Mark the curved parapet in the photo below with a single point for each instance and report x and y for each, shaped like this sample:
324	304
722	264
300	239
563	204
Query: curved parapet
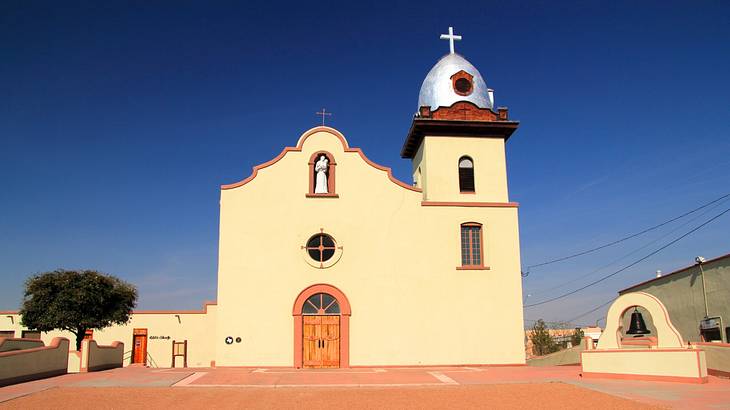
8	344
96	357
667	335
300	143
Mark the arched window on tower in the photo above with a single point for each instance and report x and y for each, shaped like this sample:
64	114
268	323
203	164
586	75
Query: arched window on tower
322	175
466	175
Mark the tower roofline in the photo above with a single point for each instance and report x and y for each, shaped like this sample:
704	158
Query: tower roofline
462	119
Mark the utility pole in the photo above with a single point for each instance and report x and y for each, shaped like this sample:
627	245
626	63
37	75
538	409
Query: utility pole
700	260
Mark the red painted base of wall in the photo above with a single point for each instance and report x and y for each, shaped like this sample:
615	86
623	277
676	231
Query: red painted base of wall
645	377
400	366
389	366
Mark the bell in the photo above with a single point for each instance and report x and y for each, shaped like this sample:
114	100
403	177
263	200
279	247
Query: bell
637	326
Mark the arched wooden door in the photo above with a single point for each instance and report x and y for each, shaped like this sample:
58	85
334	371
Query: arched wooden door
321	332
321	328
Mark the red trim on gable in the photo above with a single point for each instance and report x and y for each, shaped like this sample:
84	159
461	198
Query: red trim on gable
257	168
298	148
386	169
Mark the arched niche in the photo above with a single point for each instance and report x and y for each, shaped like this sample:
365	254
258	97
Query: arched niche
666	334
330	173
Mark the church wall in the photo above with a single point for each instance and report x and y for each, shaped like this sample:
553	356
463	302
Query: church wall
419	171
410	305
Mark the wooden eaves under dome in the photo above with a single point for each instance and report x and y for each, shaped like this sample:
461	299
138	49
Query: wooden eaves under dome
462	119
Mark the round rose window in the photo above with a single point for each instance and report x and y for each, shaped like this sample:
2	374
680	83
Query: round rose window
321	247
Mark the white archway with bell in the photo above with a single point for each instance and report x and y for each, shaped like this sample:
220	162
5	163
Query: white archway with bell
667	335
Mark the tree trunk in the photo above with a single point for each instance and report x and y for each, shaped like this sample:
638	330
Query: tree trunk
80	333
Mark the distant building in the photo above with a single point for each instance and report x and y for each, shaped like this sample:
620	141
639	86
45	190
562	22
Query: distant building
593	332
697	299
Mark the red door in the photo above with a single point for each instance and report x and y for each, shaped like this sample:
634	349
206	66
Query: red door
139	346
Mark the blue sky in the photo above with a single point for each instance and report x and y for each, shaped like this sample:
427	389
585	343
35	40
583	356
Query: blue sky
119	121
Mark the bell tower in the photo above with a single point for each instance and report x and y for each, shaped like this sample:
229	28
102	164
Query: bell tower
457	140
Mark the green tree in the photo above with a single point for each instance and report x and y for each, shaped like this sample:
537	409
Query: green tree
542	342
577	337
76	301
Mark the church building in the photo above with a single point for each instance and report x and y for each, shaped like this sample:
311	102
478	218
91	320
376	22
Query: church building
327	260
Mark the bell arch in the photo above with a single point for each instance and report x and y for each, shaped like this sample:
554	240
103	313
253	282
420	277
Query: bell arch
344	313
667	335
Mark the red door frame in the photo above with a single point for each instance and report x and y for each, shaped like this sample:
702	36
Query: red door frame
142	333
345	313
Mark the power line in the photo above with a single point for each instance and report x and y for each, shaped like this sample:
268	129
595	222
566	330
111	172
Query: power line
633	263
575	255
635	250
571	321
590	311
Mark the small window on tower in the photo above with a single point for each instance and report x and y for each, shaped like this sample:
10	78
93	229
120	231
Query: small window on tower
462	83
466	175
463	86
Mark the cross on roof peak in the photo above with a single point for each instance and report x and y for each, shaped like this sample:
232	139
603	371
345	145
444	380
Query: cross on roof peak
323	113
451	37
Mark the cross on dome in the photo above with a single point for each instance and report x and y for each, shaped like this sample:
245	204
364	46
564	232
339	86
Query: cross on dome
451	37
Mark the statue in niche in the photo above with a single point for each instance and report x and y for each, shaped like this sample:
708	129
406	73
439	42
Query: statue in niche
320	169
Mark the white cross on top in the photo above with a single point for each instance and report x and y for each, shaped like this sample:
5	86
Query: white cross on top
451	37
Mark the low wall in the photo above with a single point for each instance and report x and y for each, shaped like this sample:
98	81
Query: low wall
8	344
35	363
95	357
718	357
679	365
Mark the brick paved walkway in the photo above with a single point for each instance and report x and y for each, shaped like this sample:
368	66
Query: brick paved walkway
420	387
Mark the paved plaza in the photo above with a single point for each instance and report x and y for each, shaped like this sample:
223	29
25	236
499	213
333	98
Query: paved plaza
403	387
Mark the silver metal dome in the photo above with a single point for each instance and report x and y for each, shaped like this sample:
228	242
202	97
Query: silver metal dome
437	90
